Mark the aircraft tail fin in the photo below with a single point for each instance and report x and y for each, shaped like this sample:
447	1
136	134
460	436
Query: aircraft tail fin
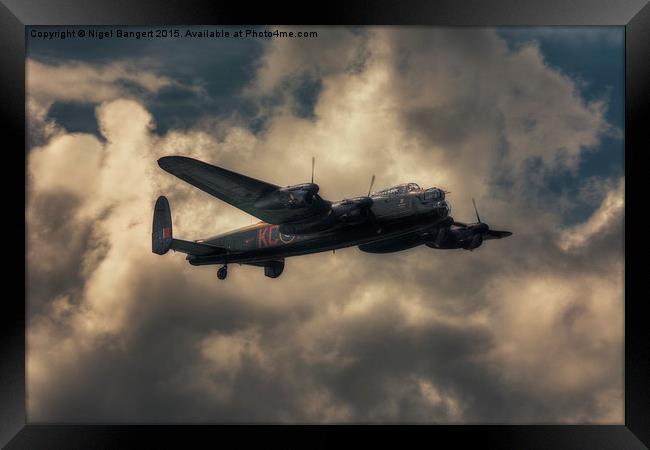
161	233
162	239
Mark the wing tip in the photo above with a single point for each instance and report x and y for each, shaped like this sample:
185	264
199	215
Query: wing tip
167	162
175	161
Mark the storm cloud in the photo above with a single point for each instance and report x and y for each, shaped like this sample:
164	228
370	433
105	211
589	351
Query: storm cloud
524	330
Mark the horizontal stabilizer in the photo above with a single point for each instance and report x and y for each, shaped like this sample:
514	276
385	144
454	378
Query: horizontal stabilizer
196	248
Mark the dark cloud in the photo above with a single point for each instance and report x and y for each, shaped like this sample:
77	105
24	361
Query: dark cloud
56	247
220	67
77	117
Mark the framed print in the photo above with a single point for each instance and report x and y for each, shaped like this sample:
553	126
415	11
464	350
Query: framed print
405	215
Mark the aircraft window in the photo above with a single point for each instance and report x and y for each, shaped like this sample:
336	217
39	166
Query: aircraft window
435	194
398	190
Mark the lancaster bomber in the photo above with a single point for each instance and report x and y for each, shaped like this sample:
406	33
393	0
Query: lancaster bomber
295	220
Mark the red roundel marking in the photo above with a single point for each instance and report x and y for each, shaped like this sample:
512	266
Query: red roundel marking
287	238
167	233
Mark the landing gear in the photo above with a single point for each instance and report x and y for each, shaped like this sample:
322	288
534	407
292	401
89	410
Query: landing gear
273	269
222	273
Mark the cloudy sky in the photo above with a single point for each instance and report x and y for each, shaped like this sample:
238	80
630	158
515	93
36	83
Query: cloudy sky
524	330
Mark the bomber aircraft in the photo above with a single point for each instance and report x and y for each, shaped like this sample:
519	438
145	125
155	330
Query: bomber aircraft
295	220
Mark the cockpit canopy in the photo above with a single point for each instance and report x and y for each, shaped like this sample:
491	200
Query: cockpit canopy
400	189
434	194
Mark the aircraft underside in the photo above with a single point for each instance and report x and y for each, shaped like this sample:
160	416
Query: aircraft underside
367	238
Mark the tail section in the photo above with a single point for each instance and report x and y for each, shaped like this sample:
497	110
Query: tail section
161	234
162	239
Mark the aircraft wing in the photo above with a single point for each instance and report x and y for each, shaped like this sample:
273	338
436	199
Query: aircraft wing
238	190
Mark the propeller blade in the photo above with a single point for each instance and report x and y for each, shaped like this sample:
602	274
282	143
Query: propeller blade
372	181
313	163
476	210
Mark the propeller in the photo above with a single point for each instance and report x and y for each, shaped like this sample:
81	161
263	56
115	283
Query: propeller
476	211
482	229
372	181
366	207
363	203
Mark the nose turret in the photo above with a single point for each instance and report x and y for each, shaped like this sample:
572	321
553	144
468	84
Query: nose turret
434	200
443	208
434	194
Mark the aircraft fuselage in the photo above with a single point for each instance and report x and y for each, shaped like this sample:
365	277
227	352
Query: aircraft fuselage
396	216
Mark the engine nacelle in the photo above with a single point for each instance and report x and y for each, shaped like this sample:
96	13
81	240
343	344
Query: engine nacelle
352	211
450	238
292	197
274	268
475	242
347	212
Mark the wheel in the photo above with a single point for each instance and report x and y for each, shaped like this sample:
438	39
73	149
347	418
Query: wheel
222	273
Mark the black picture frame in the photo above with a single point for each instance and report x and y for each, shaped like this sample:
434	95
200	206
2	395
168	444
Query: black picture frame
15	15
